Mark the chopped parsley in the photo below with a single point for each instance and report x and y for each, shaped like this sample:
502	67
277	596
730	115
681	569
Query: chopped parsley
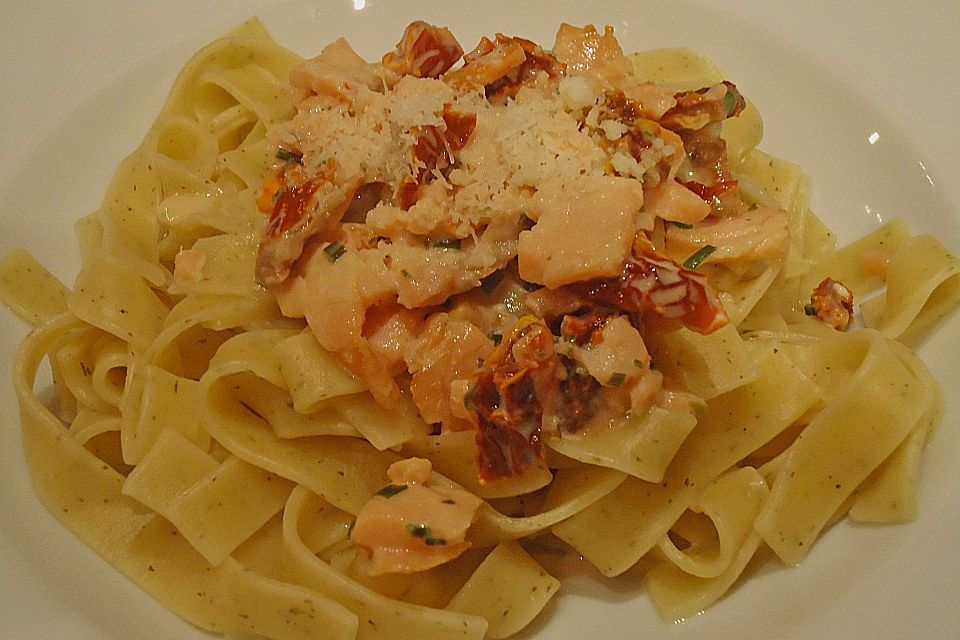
391	490
681	225
697	258
616	380
730	101
334	250
451	244
423	532
468	397
809	309
497	337
289	156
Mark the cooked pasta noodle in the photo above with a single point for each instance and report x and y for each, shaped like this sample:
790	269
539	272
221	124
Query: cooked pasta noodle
225	430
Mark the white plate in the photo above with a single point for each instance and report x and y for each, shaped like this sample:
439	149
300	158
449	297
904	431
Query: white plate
864	95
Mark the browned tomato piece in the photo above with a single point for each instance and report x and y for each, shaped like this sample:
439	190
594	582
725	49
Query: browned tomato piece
580	329
657	284
696	109
537	60
290	205
578	396
709	192
435	148
510	417
832	304
424	51
507	400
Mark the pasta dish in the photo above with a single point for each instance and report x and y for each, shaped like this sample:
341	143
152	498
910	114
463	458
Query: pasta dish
363	349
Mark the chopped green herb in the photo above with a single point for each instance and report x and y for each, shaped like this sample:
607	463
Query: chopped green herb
423	532
616	380
702	254
496	337
448	501
638	363
468	397
334	250
353	523
681	225
451	244
752	207
809	309
730	101
289	156
405	273
391	490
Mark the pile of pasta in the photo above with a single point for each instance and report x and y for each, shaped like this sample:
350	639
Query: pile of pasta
209	449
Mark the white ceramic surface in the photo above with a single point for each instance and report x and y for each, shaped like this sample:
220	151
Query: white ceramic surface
864	95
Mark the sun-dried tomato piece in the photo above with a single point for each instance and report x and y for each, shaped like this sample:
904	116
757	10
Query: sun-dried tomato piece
435	148
459	128
424	51
286	194
580	329
291	204
508	400
657	284
832	304
578	396
709	192
696	109
503	65
509	422
537	60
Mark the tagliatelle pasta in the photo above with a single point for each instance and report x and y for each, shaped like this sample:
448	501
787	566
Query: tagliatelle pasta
354	347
